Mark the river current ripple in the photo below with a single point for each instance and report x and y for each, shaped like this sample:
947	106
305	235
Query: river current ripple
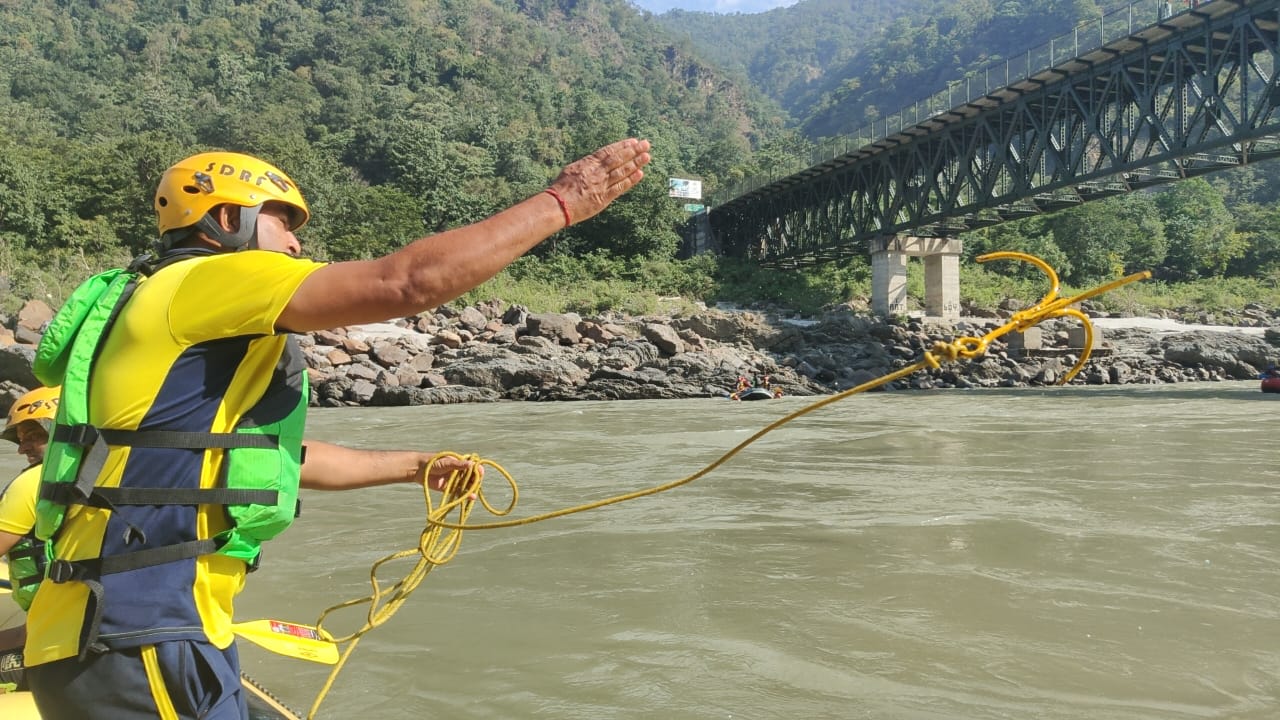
1063	553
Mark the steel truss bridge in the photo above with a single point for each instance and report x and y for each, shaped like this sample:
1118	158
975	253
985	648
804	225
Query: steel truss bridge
1183	94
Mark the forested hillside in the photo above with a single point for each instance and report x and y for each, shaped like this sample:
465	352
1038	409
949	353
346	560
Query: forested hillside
836	64
404	117
397	118
789	53
916	55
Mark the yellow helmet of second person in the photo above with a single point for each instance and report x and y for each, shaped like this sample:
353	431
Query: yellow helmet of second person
39	405
192	187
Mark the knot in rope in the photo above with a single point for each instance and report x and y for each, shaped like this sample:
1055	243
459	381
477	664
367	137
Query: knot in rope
1052	306
964	347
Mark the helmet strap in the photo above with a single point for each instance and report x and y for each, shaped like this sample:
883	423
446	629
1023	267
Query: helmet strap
244	238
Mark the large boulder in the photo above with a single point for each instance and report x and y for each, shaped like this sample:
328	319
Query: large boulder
509	372
562	329
447	395
1240	356
15	365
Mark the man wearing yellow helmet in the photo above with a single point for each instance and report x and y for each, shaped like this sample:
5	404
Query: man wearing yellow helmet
134	619
28	424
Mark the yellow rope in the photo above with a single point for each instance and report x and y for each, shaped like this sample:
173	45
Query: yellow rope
435	547
441	537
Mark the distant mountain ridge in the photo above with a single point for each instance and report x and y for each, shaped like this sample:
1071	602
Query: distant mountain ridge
789	52
723	7
835	65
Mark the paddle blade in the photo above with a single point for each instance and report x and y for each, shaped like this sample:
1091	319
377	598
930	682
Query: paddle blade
286	638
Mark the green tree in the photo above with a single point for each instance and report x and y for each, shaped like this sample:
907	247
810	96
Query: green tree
1148	244
1259	227
1201	231
372	221
1030	235
1096	238
24	195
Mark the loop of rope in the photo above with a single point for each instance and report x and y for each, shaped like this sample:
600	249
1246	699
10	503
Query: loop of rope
437	544
442	537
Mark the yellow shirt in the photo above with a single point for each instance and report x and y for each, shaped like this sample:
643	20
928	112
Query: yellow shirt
18	503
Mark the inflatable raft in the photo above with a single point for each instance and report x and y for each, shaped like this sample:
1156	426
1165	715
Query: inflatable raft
22	706
755	393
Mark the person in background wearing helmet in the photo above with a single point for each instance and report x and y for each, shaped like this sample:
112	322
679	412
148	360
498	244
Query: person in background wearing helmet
202	349
28	425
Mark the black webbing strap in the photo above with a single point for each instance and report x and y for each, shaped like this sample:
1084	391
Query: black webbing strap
87	435
188	440
109	497
91	571
99	440
65	570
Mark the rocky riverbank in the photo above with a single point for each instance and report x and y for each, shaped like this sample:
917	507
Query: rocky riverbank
493	351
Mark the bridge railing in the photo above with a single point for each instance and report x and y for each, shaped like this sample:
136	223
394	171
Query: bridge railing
1085	37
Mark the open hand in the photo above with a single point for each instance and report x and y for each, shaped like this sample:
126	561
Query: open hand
590	184
440	469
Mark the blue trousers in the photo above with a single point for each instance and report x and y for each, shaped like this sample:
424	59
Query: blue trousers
195	679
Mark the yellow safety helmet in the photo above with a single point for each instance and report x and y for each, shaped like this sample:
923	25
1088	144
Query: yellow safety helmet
196	185
40	405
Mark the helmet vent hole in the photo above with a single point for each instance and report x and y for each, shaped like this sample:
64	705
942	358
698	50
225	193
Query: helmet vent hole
191	189
162	201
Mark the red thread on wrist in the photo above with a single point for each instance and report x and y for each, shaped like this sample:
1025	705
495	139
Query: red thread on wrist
563	207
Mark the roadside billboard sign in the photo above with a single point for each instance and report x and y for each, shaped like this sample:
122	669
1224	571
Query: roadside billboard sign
683	188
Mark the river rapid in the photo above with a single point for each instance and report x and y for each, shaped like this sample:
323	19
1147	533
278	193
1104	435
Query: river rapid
1060	553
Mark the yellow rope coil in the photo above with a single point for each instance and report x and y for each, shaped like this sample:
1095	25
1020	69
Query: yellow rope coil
437	545
441	537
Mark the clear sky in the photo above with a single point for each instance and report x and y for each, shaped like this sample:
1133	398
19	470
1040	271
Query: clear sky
712	6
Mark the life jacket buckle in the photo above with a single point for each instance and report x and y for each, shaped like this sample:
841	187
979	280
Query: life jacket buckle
144	264
61	571
82	435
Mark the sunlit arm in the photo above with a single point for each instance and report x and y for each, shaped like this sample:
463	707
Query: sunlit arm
333	467
436	269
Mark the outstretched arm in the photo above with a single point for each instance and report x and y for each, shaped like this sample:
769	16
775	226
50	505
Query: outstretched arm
434	270
333	467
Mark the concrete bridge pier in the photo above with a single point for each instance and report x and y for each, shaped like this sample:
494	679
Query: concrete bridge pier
889	257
